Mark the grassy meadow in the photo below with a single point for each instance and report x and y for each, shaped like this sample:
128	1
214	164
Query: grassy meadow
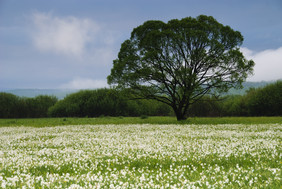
153	152
105	120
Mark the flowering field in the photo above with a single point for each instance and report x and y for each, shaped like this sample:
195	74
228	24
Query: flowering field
141	156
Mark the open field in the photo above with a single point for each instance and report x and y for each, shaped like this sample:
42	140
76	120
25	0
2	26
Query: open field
141	156
43	122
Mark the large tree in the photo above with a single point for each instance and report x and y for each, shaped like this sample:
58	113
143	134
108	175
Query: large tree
180	61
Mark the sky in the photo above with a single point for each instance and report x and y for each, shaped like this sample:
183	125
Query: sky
71	44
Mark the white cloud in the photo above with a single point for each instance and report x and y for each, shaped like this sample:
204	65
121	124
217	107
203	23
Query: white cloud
268	64
84	83
67	35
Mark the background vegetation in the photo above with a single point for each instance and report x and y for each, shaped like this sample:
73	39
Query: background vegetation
266	101
12	106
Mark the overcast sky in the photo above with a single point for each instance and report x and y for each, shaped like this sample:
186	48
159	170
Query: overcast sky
72	43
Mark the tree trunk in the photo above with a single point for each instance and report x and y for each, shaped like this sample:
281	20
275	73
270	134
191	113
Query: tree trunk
180	115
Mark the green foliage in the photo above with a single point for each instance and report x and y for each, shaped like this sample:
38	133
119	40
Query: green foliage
91	103
12	106
206	107
138	107
112	102
105	102
266	101
38	106
9	105
235	106
144	117
179	62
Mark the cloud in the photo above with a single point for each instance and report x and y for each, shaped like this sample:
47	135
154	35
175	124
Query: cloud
268	64
63	35
84	83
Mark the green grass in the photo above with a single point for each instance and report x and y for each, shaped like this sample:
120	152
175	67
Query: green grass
43	122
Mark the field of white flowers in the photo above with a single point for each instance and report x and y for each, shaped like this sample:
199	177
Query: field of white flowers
141	156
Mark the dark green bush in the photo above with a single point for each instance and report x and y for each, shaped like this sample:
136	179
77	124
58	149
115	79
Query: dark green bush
90	103
38	106
206	107
106	102
266	101
9	105
234	105
12	106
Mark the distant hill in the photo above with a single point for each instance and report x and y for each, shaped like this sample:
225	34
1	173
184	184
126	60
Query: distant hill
62	93
247	86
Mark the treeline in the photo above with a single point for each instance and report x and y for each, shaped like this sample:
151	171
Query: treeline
106	102
85	103
265	101
12	106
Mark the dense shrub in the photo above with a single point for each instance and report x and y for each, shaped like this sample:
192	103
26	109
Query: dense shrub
105	102
234	105
266	101
9	105
12	106
90	103
206	107
38	106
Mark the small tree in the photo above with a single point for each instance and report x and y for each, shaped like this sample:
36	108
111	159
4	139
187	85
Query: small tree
180	61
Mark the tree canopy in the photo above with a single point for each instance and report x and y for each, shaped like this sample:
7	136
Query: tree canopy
180	61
